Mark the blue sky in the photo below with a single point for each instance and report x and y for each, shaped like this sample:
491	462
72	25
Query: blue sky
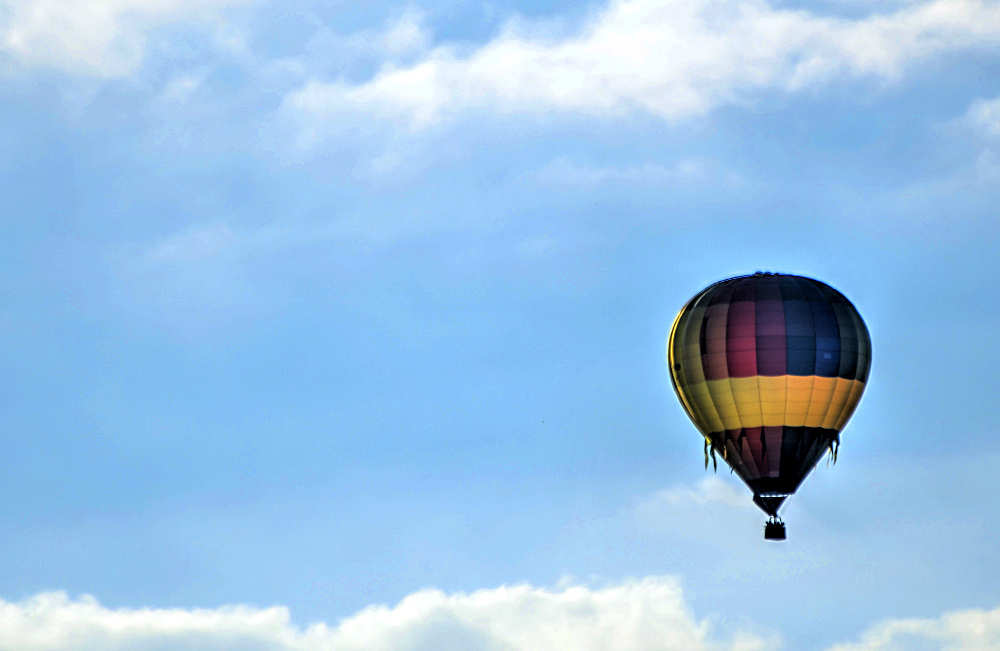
360	312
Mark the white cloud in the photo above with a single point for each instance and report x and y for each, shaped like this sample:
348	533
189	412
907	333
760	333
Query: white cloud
984	115
401	39
645	615
638	615
673	58
99	38
180	88
405	35
968	630
711	490
695	512
983	118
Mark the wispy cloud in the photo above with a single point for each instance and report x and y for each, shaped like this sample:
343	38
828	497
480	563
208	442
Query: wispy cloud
710	490
984	116
181	87
196	275
967	630
672	58
565	171
643	615
97	38
195	244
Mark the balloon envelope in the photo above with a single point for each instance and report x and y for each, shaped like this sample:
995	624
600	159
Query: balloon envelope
770	368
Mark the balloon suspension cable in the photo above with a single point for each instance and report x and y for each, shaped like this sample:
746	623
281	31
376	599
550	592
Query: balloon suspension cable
706	453
715	463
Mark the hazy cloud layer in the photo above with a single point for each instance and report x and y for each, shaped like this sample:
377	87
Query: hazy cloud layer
673	58
642	615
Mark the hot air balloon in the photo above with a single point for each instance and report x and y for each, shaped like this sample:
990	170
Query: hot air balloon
769	367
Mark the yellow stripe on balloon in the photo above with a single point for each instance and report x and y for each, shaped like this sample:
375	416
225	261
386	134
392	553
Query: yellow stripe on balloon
746	395
852	403
840	395
798	397
819	402
735	403
772	399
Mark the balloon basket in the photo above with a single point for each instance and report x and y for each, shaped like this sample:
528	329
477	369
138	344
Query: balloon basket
774	529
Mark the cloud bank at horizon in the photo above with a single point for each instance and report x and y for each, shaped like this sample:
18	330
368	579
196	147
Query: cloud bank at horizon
640	615
644	615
